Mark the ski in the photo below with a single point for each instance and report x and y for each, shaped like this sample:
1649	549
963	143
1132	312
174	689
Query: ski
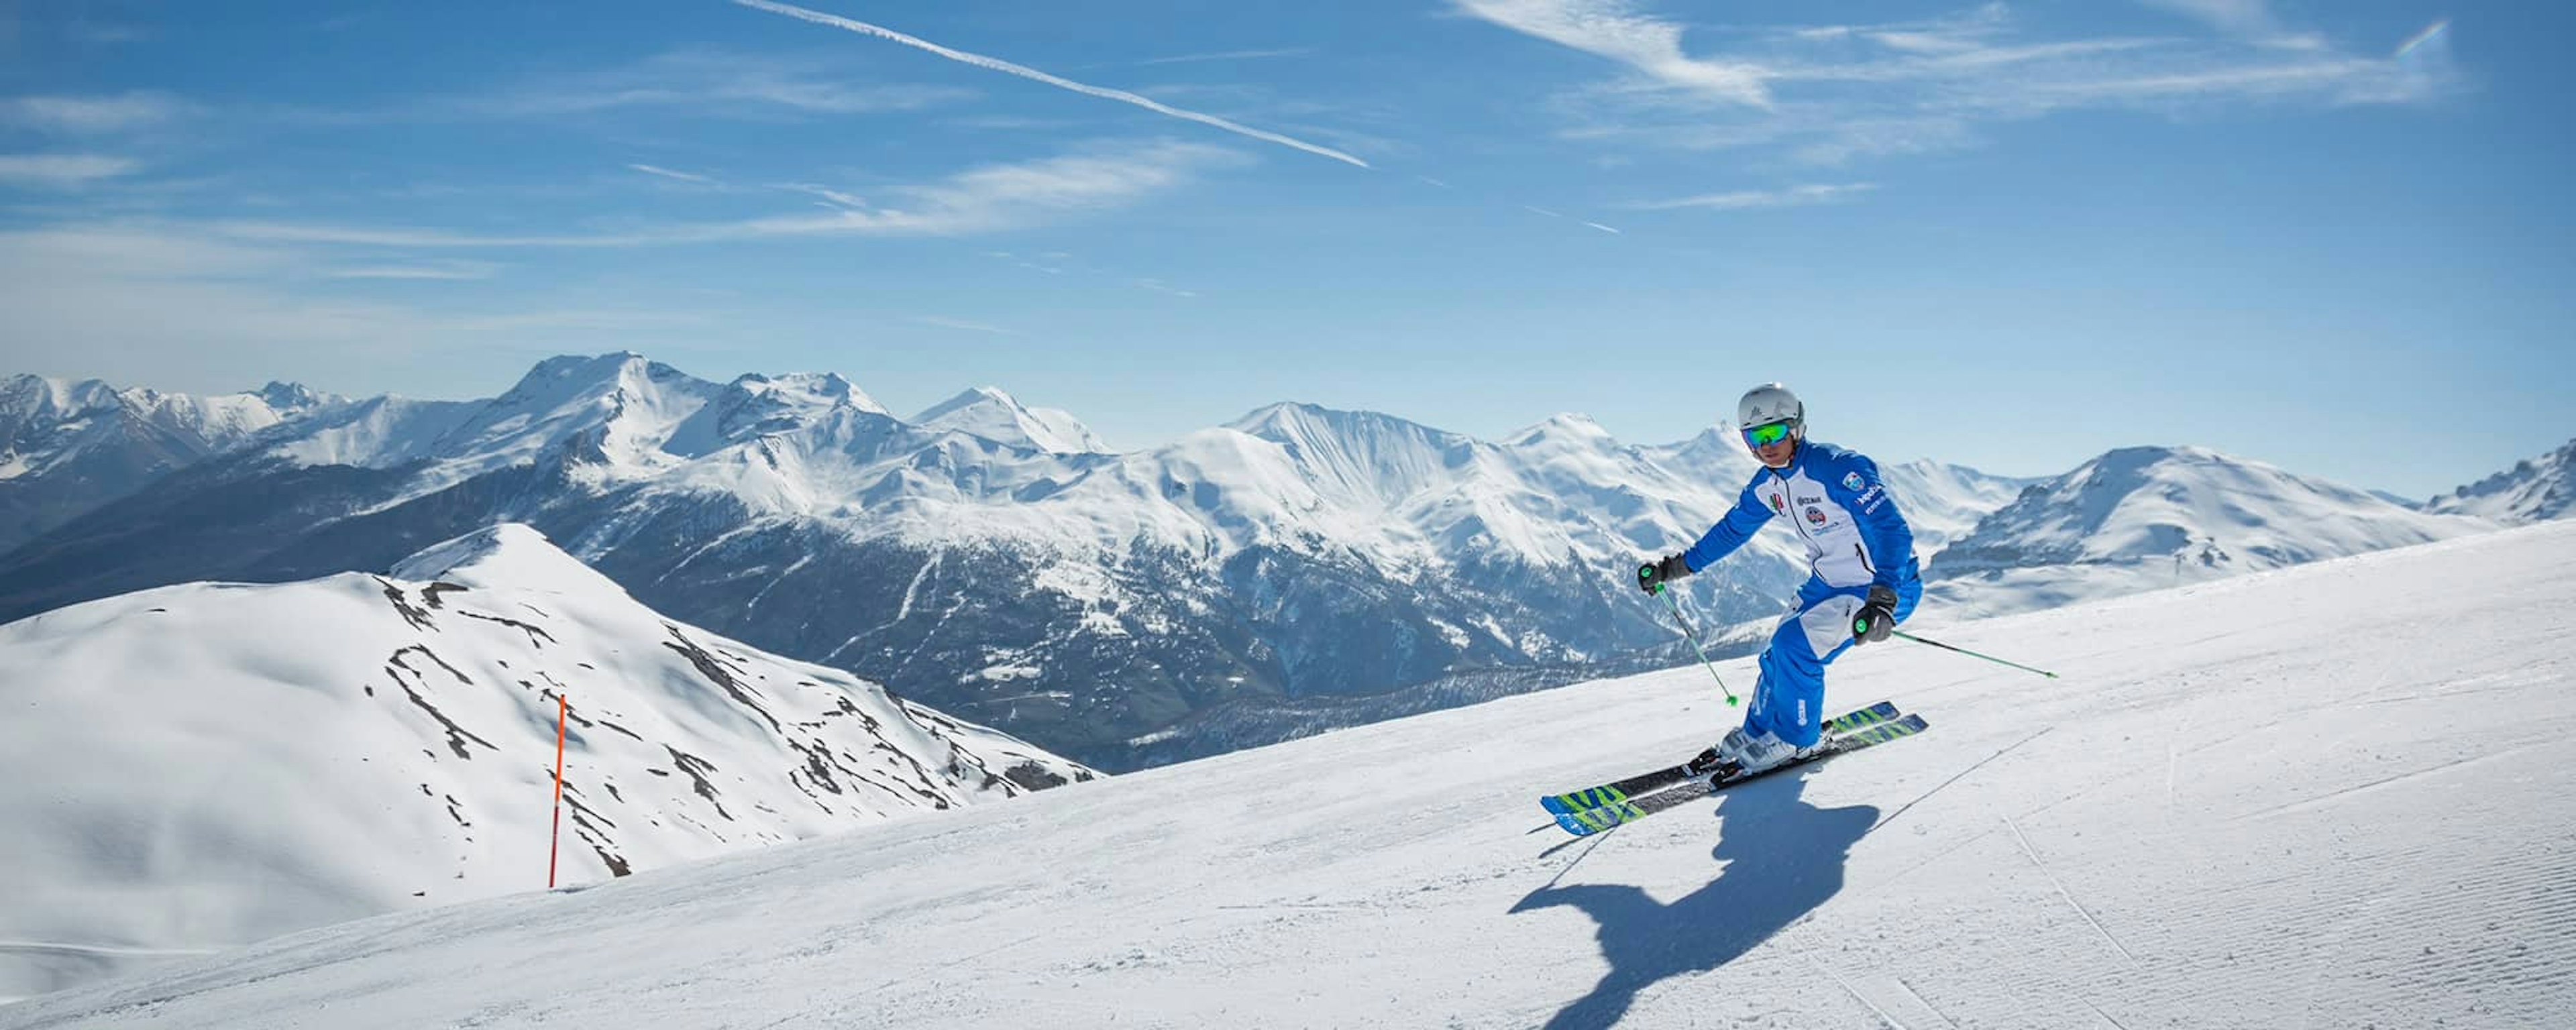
1618	791
1622	807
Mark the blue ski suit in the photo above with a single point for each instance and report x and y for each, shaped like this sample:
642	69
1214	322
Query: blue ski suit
1855	538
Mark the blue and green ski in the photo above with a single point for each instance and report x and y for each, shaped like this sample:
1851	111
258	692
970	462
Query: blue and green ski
1592	810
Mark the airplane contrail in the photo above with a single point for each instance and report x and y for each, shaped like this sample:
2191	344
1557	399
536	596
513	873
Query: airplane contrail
1025	72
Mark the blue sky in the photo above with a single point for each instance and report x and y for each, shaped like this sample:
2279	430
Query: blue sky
2333	236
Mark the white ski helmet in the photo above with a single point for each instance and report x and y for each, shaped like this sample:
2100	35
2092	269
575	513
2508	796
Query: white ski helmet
1768	403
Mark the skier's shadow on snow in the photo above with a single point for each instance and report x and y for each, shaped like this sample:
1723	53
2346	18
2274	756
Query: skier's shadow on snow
1784	857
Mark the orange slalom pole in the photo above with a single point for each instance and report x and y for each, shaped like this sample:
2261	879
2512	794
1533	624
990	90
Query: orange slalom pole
563	707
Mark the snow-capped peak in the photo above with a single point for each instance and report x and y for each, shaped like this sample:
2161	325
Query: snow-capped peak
2532	490
1565	425
990	413
2139	503
1365	457
510	554
27	398
760	405
2142	517
613	410
291	396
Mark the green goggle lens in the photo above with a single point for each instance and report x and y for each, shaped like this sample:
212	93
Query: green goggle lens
1766	434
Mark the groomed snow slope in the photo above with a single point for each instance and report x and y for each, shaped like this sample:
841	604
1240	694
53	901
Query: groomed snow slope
2332	795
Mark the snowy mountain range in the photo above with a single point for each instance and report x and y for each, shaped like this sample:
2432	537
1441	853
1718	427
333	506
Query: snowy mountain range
1286	571
2140	518
201	766
68	447
2532	490
2328	796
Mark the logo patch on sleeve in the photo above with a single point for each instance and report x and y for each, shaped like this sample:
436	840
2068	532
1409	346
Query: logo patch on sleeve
1852	481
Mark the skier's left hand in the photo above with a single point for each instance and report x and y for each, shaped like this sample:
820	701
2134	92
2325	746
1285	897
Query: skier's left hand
1877	616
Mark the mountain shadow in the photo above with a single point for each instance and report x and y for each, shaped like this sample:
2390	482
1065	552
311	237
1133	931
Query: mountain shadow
1783	858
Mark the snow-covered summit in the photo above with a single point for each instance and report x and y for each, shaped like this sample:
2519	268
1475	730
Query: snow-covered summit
2143	517
205	765
2532	490
988	412
612	410
1564	425
1362	457
759	405
508	556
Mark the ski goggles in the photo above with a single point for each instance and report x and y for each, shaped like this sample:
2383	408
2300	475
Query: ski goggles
1768	433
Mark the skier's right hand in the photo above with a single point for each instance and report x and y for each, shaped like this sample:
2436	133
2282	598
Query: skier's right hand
1652	576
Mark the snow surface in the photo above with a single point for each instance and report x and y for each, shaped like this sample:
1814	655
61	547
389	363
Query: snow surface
2328	796
201	766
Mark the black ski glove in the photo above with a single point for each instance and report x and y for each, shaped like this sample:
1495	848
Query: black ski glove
1877	616
1652	576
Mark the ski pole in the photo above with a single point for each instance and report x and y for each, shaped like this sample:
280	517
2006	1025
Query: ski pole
1972	654
1676	606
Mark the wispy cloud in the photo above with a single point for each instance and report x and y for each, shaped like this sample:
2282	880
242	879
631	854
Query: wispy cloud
62	171
1614	30
1230	55
713	81
452	271
1603	228
833	197
1025	72
414	238
656	170
89	114
961	325
1794	196
1828	94
98	298
991	198
1160	286
2243	19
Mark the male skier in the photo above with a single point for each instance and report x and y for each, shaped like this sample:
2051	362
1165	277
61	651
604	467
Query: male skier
1860	555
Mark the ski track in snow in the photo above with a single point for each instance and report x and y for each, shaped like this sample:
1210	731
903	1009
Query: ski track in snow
1863	999
1960	775
2106	1017
2248	842
2364	788
2173	756
2062	892
1910	994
